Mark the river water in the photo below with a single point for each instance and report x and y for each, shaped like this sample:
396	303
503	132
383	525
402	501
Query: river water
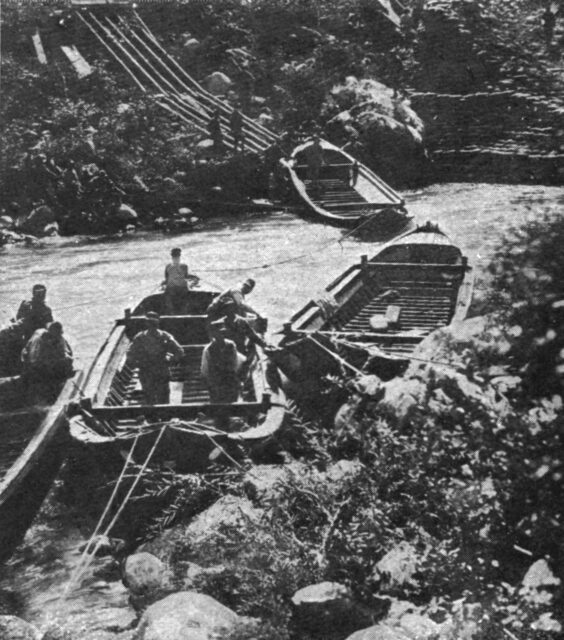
91	281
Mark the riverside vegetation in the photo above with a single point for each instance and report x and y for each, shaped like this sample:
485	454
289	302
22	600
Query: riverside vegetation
82	146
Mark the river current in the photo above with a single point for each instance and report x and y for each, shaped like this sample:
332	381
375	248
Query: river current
91	281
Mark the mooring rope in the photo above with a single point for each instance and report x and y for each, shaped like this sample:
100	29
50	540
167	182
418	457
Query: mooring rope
83	560
87	557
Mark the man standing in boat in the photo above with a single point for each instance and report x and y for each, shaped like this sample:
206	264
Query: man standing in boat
175	285
152	351
314	157
219	369
35	314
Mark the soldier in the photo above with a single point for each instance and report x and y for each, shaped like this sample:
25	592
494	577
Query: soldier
175	284
236	295
151	351
46	361
34	313
220	366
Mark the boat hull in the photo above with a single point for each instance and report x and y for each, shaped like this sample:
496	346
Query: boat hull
380	309
38	438
340	200
113	415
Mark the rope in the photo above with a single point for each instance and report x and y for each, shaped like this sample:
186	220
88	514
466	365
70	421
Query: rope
336	356
363	346
83	560
88	558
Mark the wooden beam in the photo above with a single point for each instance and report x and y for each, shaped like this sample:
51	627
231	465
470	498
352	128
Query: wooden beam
169	411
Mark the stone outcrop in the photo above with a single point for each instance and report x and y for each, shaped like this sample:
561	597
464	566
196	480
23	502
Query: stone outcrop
13	628
186	615
468	139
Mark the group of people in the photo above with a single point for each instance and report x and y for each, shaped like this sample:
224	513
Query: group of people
44	358
36	349
226	360
235	127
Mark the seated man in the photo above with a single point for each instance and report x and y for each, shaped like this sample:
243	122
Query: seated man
235	295
151	351
12	342
219	369
34	313
175	285
239	330
46	361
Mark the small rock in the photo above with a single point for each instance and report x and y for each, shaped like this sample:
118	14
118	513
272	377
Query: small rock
380	632
192	44
125	213
186	615
143	572
6	222
398	566
404	396
323	606
13	628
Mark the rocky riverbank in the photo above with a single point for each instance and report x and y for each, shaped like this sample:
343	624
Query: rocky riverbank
422	510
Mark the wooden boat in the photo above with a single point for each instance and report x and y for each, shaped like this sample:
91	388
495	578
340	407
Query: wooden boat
112	412
381	307
335	200
33	444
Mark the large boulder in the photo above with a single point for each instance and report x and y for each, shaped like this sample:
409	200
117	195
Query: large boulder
36	222
13	628
228	511
186	615
390	131
218	83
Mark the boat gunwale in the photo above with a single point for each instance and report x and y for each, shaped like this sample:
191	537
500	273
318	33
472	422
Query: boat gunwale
45	433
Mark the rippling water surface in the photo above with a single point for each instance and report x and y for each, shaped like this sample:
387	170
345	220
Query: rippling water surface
90	282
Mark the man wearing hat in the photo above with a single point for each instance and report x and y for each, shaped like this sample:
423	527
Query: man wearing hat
151	351
220	364
34	314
